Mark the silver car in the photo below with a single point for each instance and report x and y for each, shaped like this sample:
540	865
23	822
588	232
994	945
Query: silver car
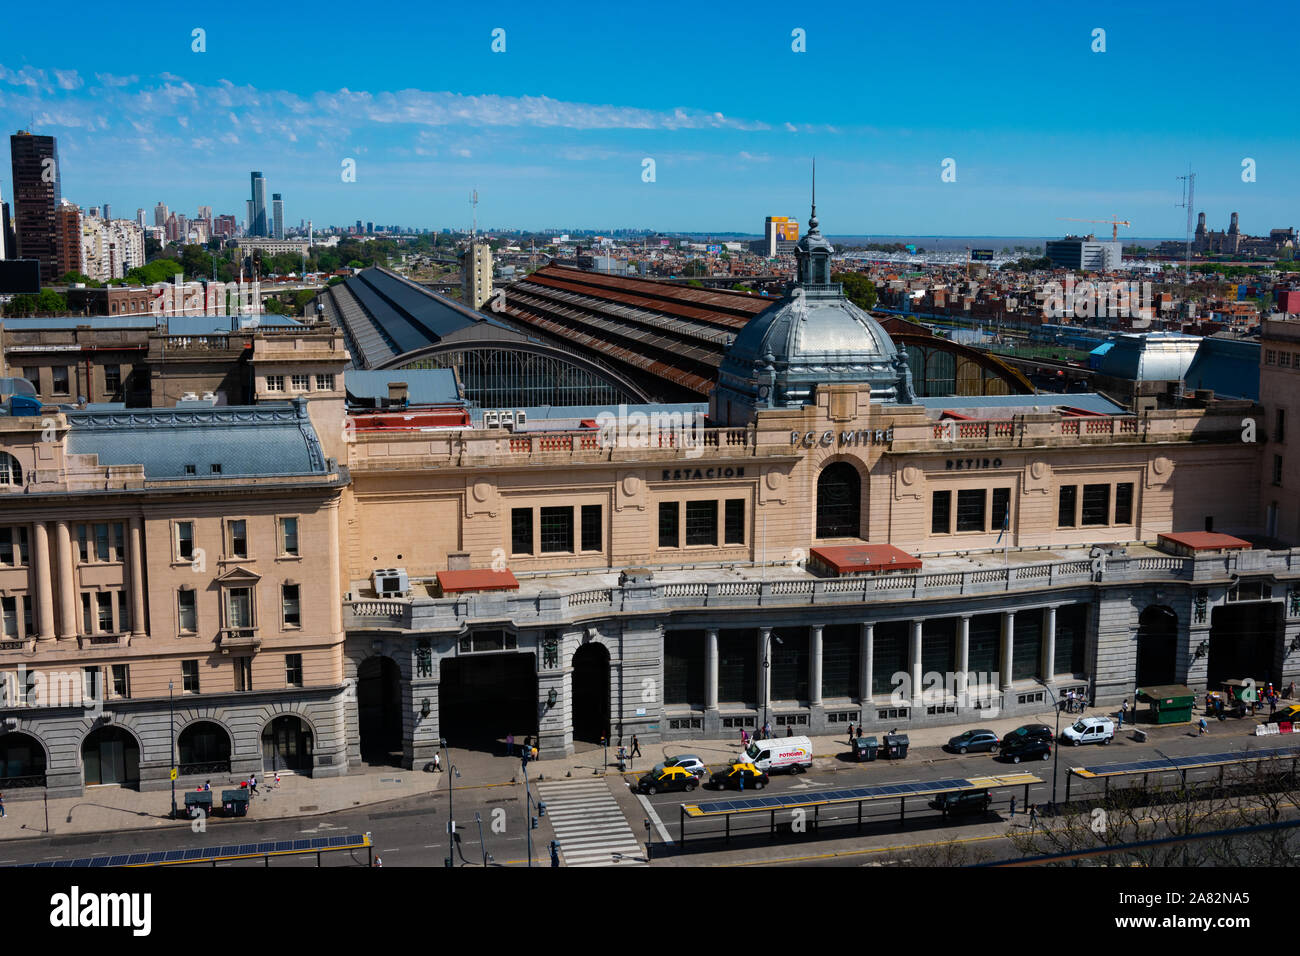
689	762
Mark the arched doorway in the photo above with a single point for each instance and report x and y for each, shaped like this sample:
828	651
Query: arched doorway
287	745
379	711
204	748
110	755
1157	647
22	762
839	501
482	698
591	692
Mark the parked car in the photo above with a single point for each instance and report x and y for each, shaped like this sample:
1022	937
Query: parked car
974	740
1028	732
1090	730
731	777
1029	748
667	779
687	762
962	801
1286	715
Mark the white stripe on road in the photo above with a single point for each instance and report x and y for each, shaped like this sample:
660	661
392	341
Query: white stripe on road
654	818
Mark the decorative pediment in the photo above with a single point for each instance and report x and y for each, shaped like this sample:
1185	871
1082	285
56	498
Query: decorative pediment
238	577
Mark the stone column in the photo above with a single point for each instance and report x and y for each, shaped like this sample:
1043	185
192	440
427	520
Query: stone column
1008	646
44	591
1049	644
137	579
764	684
711	670
335	585
67	583
815	665
866	661
963	662
914	663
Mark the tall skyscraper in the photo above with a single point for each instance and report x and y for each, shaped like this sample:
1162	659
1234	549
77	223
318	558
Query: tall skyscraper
258	226
69	220
139	218
36	200
4	226
107	215
205	212
160	214
277	216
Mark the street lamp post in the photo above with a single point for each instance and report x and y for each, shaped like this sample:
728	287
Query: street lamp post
767	676
528	811
1056	741
171	709
452	773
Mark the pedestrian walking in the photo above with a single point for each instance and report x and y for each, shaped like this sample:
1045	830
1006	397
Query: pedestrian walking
1013	806
437	762
510	745
852	735
1272	706
1123	711
207	785
1201	728
2	806
789	731
1290	690
1033	815
767	731
252	783
534	753
636	746
744	739
379	861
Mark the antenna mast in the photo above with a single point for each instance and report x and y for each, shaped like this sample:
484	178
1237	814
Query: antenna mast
473	202
1189	200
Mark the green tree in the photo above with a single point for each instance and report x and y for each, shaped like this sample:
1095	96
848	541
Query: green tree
68	278
48	302
160	270
858	287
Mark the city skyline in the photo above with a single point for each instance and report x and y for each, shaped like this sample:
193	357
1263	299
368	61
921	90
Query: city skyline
722	105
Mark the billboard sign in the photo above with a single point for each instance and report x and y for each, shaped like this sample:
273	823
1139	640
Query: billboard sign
788	230
713	248
20	276
981	255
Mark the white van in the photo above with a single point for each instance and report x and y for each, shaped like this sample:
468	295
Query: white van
1090	730
794	754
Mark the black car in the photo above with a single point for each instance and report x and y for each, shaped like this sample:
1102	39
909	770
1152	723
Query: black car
664	779
1030	748
1028	732
962	801
739	776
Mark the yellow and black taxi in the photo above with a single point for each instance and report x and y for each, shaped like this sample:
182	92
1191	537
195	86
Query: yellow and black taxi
664	779
739	776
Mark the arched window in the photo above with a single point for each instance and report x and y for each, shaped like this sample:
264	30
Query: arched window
11	473
839	501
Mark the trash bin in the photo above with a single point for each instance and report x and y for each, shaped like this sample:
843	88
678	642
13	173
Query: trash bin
198	801
864	748
234	803
896	746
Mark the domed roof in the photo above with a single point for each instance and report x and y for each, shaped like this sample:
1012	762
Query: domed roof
814	335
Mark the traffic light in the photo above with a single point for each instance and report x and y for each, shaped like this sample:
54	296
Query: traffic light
541	809
555	853
533	821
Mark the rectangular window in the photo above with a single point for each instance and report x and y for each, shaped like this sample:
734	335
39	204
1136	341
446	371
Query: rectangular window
289	536
215	469
87	619
239	607
22	547
940	511
591	528
90	682
1065	506
239	539
60	373
521	531
1001	516
101	543
112	378
1096	504
556	526
324	383
1279	426
117	546
27	614
83	546
1277	469
121	680
104	611
190	677
970	509
1270	357
243	673
9	606
275	383
292	615
8	554
1284	359
123	612
189	620
300	383
185	540
733	525
293	670
668	513
701	523
1124	503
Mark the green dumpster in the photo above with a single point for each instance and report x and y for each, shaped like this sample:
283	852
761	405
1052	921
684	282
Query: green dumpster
198	801
1170	703
234	803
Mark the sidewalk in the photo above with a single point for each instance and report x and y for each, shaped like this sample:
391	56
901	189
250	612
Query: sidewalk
115	808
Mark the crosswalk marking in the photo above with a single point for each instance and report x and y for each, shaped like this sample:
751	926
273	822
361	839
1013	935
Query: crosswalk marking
589	824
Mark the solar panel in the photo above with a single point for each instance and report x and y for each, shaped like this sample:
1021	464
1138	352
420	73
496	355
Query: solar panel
49	864
266	847
211	851
173	855
283	845
229	850
246	848
339	841
84	861
301	844
99	861
117	860
194	854
57	863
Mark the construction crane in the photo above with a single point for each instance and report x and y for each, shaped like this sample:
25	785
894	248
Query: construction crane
1114	224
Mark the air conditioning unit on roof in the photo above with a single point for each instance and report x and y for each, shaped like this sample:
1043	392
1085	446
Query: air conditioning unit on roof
391	582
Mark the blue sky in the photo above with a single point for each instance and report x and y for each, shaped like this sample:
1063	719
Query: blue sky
554	131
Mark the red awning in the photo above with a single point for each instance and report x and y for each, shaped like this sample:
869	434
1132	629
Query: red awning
455	582
864	558
1205	541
